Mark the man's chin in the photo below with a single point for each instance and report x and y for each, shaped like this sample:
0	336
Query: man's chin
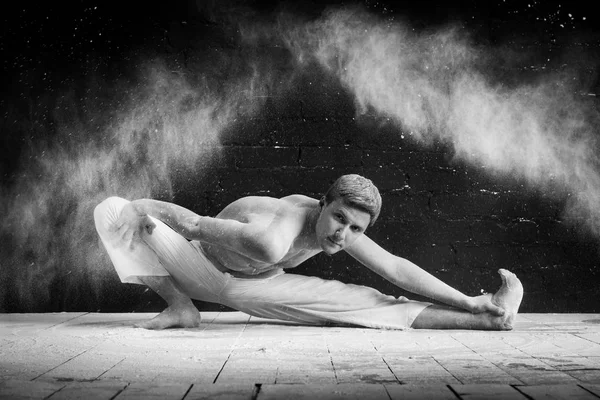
330	248
330	252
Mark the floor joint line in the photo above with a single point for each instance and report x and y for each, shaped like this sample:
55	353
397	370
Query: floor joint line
587	390
120	391
589	340
70	319
331	361
488	360
232	349
447	370
63	363
516	387
385	362
540	359
187	391
118	362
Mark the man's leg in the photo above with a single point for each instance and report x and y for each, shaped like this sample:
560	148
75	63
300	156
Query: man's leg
508	297
146	264
316	301
313	300
180	311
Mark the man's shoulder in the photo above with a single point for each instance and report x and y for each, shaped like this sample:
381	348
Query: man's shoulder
253	207
257	202
299	199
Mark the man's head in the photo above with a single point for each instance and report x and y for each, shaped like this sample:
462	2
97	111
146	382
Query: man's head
356	191
350	205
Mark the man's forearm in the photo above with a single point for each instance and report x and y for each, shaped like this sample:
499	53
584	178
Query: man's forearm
227	233
180	219
416	280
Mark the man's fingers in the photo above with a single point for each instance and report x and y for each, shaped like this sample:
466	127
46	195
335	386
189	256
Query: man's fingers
115	227
149	228
128	235
149	225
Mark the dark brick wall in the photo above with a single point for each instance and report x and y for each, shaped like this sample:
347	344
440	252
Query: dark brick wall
454	220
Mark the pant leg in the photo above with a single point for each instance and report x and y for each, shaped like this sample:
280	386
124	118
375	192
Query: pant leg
312	300
163	253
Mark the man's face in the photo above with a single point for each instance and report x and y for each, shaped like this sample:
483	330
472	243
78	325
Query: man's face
339	225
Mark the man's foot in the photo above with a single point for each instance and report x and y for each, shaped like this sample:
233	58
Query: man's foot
508	297
180	316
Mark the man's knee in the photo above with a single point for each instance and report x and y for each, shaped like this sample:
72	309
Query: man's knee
107	212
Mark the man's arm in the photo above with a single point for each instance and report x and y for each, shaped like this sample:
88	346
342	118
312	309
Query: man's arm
409	276
250	239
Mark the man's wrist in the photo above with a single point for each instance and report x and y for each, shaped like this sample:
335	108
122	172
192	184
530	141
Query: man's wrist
468	303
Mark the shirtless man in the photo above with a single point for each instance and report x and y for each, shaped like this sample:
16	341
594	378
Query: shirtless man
238	259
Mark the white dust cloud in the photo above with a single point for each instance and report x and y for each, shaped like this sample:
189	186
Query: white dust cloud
162	127
437	86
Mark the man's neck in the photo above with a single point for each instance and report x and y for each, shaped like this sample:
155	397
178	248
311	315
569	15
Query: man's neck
308	236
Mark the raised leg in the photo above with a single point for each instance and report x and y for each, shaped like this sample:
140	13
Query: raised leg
157	261
508	297
180	311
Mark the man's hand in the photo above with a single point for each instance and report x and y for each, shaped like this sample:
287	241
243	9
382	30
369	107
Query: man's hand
483	303
131	223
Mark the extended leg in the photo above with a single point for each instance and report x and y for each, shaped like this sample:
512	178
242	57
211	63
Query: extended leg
180	311
316	301
508	297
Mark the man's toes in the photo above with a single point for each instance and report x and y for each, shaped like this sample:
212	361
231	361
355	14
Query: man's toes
147	325
507	327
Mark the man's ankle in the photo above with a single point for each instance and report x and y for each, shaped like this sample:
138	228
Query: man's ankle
182	305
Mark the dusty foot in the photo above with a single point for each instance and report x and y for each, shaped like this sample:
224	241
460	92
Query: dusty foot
508	297
174	317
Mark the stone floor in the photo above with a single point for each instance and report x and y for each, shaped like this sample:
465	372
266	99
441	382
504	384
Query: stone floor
234	356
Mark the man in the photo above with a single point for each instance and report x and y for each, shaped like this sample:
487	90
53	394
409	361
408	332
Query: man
238	259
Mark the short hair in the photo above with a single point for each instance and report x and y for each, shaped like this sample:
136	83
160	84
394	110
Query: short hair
356	191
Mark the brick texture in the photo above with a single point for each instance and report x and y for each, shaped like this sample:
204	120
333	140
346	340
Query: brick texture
454	220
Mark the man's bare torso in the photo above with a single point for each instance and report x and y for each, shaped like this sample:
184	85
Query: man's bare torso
287	217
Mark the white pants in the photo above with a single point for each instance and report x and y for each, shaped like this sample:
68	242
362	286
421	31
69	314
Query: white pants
279	295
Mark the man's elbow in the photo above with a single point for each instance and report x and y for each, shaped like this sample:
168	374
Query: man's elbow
192	228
